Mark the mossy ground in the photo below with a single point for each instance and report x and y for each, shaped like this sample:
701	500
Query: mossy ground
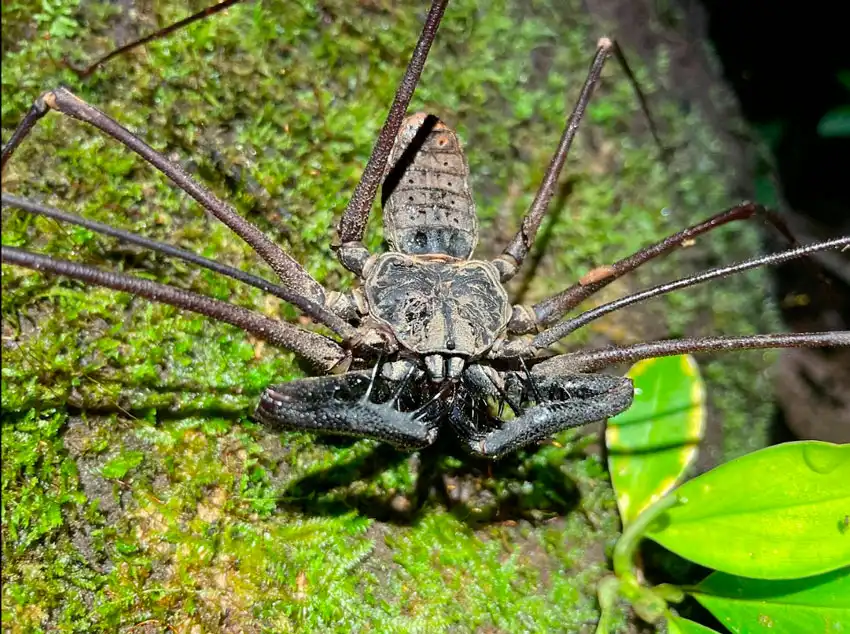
137	494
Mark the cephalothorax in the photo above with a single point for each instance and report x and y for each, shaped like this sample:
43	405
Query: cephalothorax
438	305
429	339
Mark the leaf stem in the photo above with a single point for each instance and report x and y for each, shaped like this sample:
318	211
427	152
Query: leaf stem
624	551
647	604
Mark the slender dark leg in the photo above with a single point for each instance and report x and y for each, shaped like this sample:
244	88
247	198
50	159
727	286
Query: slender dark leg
512	257
324	353
514	254
555	307
347	405
310	308
561	330
352	225
62	100
595	360
644	106
200	15
558	402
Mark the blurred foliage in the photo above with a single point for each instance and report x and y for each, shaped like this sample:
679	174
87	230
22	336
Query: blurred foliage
836	122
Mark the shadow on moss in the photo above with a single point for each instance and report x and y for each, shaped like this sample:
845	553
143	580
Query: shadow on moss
477	492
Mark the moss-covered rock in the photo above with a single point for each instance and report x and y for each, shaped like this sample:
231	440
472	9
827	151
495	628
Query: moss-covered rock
136	491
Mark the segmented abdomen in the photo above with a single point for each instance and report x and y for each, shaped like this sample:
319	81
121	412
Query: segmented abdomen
428	206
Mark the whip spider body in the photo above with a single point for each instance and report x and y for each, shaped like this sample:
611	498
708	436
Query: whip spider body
429	338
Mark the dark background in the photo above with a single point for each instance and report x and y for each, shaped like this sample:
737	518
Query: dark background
782	61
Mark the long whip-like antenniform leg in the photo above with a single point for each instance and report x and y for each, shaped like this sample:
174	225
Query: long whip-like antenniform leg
550	336
555	307
310	308
200	15
644	105
352	225
595	360
324	353
512	257
62	100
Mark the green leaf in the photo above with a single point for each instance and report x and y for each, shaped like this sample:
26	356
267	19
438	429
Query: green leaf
778	513
652	444
678	625
835	123
812	604
121	464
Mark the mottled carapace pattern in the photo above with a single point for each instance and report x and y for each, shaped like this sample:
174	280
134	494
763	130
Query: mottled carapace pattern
427	200
438	306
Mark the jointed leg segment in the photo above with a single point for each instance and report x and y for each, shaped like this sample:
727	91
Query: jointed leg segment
515	253
564	328
555	307
595	360
200	15
523	349
324	353
352	225
309	307
512	257
62	100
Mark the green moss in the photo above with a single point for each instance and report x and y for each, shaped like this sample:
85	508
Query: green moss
223	525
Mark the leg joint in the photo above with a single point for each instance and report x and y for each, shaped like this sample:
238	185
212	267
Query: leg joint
353	256
507	266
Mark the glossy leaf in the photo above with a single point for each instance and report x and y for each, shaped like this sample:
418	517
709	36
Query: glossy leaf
812	604
678	625
835	123
778	513
652	444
